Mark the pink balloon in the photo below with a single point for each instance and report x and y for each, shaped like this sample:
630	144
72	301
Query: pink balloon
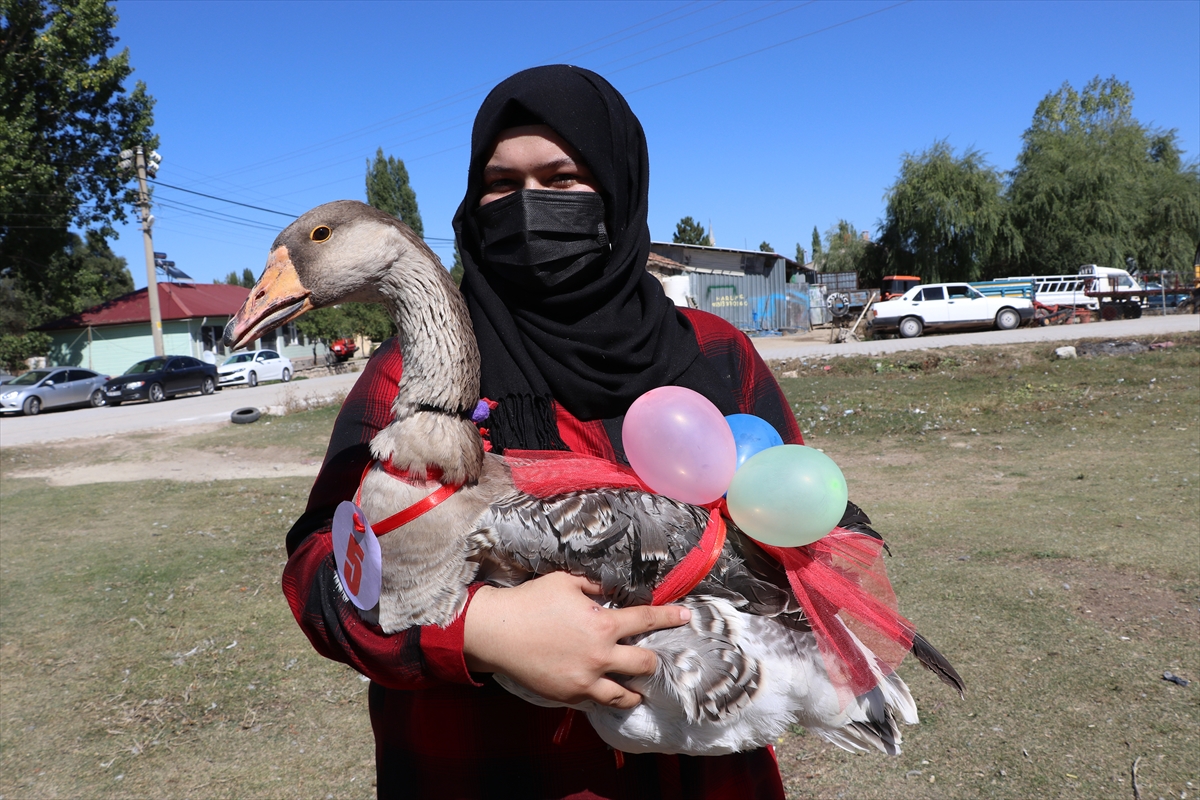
679	444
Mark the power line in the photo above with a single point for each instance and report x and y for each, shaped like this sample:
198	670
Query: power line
223	200
771	46
657	45
215	215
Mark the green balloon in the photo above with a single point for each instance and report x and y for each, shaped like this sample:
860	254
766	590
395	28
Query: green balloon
788	496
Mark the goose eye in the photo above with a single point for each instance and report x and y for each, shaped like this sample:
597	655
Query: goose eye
320	233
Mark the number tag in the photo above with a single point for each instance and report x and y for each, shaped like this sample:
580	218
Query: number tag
358	557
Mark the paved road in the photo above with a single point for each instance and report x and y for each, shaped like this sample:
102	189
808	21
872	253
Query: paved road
57	425
194	409
781	347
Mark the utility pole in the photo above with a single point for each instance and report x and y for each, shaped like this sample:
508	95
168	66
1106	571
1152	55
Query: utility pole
148	166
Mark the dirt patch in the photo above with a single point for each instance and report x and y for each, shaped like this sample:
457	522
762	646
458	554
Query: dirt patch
1137	606
171	456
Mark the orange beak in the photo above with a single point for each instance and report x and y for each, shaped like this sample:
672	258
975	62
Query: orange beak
276	299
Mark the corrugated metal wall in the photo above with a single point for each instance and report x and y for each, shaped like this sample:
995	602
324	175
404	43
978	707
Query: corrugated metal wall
748	302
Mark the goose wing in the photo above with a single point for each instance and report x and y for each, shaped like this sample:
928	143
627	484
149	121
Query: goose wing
624	540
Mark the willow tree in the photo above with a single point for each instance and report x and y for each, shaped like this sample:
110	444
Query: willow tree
1094	185
946	218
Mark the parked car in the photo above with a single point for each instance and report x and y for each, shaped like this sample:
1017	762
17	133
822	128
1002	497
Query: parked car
343	349
251	367
948	306
1173	297
158	378
53	387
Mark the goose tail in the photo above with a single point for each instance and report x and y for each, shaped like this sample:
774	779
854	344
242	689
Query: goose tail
937	663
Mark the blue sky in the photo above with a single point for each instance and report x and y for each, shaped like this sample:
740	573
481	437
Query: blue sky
764	119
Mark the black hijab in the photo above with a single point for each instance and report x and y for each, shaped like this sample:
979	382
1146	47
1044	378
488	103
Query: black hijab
594	348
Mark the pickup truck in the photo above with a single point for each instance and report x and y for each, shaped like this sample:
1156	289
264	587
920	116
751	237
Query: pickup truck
947	306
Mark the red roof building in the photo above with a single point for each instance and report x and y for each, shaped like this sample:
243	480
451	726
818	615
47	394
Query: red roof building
176	301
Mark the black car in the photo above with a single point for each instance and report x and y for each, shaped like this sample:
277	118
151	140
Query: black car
161	377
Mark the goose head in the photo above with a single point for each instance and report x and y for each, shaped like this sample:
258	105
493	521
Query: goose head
347	251
344	251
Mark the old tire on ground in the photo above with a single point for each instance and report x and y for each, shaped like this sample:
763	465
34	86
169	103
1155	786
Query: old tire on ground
911	327
244	416
1007	319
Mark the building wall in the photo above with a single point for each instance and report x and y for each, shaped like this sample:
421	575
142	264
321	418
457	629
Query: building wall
748	302
112	349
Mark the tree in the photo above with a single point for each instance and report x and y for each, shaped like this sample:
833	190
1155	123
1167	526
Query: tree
456	272
247	279
801	256
843	249
347	319
1093	185
688	231
388	190
816	244
766	247
945	216
65	118
84	274
14	350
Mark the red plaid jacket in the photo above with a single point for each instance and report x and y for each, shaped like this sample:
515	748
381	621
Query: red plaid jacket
441	732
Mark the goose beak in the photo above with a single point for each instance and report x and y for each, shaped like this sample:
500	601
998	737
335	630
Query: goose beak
277	298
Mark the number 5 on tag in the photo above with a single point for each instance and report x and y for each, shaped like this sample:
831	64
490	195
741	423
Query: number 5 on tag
357	554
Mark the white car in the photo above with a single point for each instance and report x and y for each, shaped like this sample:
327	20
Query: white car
948	306
254	366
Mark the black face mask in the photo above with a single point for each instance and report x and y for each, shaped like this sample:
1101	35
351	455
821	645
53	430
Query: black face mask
541	238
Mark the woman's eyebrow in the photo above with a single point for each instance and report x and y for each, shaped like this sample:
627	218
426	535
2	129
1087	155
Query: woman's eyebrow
493	170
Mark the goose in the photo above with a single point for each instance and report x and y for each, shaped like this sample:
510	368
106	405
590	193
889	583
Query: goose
745	667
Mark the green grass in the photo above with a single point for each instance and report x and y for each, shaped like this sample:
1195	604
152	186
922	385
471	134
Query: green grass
1043	520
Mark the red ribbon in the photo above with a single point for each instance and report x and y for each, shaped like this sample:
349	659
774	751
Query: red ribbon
407	515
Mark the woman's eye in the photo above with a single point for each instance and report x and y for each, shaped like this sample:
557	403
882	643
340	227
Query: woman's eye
564	180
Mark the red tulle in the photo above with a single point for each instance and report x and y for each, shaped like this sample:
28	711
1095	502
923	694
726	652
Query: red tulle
842	576
545	473
839	580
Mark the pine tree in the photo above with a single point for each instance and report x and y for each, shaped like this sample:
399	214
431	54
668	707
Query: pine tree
389	191
688	231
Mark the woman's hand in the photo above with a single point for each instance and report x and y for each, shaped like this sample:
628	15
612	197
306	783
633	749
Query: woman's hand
553	639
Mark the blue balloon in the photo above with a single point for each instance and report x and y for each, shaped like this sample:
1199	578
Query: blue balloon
752	435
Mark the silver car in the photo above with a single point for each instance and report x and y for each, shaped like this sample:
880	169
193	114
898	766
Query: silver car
53	387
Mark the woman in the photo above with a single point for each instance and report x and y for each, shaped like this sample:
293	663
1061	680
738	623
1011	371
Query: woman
572	329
